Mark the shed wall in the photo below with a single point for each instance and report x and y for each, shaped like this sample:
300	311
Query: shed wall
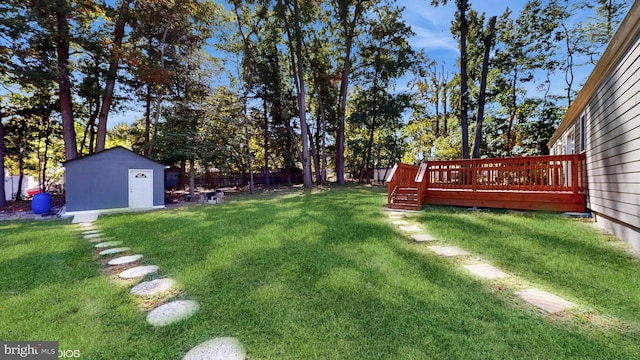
101	181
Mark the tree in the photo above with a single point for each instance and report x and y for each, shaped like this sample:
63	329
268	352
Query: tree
487	43
295	42
598	29
526	46
384	56
461	19
349	14
3	152
116	54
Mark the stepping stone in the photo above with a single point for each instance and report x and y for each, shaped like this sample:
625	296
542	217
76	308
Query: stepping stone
138	271
93	236
113	251
400	222
486	271
423	237
99	239
172	312
545	301
89	232
125	260
410	228
85	217
152	287
223	348
448	251
108	244
87	227
85	224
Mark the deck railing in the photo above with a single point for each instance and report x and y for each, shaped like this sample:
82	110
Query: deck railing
555	182
557	173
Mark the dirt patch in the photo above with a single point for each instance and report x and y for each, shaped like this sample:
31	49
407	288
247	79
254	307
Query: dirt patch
21	210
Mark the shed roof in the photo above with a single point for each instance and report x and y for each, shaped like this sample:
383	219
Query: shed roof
624	38
103	152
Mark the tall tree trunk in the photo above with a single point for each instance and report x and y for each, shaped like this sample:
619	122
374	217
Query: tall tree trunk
464	91
314	155
437	102
349	29
323	140
160	94
89	131
267	175
19	194
512	111
246	142
297	60
192	179
488	40
64	83
147	119
342	109
3	196
107	97
568	75
367	162
43	185
445	122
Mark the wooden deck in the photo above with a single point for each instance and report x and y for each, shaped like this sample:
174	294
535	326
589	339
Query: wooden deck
552	183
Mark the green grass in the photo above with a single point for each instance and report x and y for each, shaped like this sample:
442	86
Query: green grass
320	275
564	256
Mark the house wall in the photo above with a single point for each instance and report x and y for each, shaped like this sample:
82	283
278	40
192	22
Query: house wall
101	181
612	144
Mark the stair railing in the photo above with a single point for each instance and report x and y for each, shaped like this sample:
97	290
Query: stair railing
402	175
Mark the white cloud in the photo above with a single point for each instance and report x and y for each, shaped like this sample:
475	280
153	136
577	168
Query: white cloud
429	39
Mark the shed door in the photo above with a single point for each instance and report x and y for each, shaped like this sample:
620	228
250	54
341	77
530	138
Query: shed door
140	188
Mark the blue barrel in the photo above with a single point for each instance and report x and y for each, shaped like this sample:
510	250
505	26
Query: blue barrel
41	203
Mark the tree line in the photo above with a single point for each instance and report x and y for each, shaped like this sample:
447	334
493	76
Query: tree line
307	86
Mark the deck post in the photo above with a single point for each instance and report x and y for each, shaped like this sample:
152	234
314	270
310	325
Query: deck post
574	173
474	175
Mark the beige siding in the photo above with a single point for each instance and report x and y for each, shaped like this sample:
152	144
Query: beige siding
610	103
613	145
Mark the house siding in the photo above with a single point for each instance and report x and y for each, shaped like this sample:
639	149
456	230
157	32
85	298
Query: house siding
101	181
612	147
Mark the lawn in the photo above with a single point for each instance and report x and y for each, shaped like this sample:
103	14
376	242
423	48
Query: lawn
324	275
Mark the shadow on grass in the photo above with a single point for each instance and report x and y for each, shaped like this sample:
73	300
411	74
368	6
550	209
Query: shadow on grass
324	276
559	253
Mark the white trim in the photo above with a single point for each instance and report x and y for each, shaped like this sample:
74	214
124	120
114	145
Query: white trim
109	211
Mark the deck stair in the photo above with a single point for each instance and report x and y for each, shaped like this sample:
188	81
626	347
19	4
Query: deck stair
405	198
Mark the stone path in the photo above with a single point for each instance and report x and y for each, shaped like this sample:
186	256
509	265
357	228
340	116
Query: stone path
544	301
152	287
448	251
486	271
225	348
172	312
220	348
